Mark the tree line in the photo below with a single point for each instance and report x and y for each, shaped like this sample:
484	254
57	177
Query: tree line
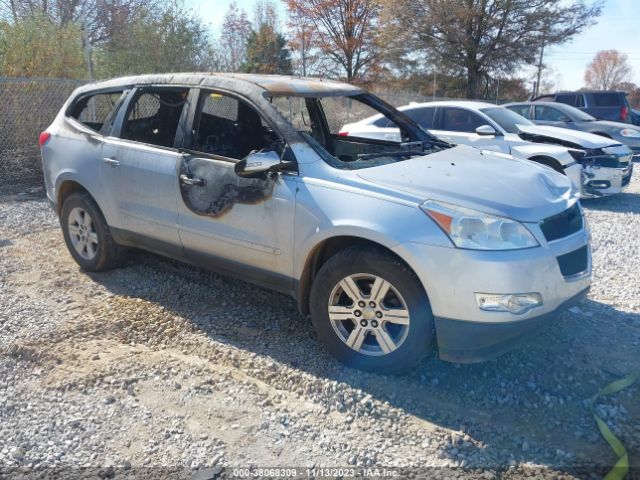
472	47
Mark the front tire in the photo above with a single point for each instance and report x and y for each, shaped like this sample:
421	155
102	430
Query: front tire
371	312
87	234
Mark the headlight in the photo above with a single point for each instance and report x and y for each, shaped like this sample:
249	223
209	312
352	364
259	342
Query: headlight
630	132
476	230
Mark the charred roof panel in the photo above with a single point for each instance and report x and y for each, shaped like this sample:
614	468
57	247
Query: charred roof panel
269	85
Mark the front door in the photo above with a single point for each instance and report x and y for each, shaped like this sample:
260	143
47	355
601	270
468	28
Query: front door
140	165
238	225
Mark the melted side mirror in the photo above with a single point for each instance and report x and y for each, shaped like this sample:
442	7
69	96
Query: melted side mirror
257	164
486	130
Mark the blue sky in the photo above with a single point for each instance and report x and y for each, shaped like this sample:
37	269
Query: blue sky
618	28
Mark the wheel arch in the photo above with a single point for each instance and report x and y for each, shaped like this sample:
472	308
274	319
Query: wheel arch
549	162
65	188
324	250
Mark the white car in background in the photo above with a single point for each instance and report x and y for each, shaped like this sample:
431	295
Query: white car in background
595	165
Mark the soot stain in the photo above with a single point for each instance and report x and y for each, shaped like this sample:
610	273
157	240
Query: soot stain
223	190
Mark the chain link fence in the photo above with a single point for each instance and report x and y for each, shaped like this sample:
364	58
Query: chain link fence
27	107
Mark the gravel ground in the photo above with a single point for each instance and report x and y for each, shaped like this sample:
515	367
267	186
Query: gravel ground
162	370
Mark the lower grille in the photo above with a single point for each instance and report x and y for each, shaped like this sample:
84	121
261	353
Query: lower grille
574	262
563	224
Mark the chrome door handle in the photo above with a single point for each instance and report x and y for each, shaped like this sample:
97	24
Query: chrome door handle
198	182
111	161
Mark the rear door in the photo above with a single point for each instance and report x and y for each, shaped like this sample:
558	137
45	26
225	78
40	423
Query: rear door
458	125
242	226
90	117
140	165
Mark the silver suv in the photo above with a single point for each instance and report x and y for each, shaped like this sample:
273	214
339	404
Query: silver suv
391	246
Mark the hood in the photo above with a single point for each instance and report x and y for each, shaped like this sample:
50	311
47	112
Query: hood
566	137
610	124
486	181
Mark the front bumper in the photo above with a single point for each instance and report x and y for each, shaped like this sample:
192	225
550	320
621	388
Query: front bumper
470	342
452	276
602	181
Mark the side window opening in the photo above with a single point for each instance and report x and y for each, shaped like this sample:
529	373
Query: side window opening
154	116
231	128
93	111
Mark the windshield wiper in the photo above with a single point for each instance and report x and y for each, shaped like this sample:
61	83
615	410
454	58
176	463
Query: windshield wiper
399	153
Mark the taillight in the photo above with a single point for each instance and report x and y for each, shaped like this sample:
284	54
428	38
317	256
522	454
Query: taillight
44	138
343	134
624	113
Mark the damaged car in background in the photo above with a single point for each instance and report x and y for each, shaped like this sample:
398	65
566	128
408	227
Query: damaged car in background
393	246
596	165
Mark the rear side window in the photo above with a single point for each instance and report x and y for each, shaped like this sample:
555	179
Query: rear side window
573	99
608	100
550	114
460	120
384	122
93	111
422	116
154	115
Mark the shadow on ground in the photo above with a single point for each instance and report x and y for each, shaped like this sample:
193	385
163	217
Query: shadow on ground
626	202
527	405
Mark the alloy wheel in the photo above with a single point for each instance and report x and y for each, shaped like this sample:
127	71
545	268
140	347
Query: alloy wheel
82	232
368	314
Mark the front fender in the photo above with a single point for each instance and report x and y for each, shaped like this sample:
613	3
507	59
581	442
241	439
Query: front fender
323	213
557	152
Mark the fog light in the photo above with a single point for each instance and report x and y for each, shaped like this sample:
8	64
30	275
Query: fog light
516	303
599	184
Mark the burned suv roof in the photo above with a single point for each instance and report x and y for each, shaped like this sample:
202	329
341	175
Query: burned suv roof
270	85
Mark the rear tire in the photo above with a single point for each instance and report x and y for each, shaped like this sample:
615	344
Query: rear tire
87	234
371	312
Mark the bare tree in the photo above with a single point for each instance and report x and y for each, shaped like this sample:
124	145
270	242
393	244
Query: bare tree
343	30
608	70
301	36
480	38
236	29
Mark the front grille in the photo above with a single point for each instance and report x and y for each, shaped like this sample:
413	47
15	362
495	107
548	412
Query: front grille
574	262
563	224
608	157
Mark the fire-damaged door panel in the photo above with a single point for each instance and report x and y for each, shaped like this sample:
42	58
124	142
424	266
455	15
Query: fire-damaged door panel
211	188
229	219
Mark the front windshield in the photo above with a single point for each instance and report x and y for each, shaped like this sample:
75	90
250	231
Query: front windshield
343	130
506	118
